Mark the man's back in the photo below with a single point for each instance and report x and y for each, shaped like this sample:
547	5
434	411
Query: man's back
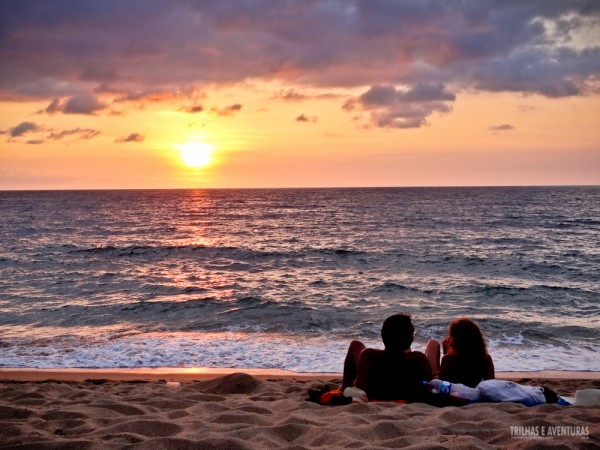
384	375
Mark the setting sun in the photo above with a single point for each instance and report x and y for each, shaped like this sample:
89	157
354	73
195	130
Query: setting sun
196	154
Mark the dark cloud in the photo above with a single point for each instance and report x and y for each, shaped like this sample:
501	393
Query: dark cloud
133	137
290	95
503	127
23	128
39	131
228	110
193	109
75	134
82	104
392	107
305	118
59	49
55	106
77	104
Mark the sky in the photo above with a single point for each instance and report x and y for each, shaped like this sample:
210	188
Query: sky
120	94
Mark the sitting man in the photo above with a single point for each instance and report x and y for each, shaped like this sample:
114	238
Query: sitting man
395	373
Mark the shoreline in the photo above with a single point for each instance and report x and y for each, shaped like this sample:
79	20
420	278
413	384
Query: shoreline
207	373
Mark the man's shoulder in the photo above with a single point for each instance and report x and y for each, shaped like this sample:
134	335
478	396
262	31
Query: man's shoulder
372	352
416	355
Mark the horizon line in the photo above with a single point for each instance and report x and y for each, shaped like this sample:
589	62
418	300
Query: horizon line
300	188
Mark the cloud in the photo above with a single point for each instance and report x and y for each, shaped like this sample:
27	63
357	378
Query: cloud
133	137
304	118
290	95
228	110
150	95
23	128
549	48
193	109
393	107
99	73
54	107
76	134
82	104
503	127
39	132
77	104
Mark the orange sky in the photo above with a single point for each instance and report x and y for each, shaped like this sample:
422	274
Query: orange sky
432	115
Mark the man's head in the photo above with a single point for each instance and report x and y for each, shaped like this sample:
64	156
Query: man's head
397	332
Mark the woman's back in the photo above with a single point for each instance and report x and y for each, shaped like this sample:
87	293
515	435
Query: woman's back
460	369
467	360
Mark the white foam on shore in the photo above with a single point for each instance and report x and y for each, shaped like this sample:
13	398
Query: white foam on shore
273	351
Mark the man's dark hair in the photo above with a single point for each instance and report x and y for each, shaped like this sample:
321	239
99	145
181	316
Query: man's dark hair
397	332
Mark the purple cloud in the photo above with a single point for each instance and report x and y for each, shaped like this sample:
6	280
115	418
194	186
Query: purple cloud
302	118
392	107
290	95
77	104
503	127
228	110
77	134
23	128
82	104
533	46
305	118
193	109
133	137
28	128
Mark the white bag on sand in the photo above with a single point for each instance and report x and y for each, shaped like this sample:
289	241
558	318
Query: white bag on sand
358	395
587	397
509	391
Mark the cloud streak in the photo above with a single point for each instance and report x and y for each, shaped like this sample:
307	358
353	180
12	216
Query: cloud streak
23	128
75	134
228	110
39	133
193	109
305	118
402	49
503	127
133	137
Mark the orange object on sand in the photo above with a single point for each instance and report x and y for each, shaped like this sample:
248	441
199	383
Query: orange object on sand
327	396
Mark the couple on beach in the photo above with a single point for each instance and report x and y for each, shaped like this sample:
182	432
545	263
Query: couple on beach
397	372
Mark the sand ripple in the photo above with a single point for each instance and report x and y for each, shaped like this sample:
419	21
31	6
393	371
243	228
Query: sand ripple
243	412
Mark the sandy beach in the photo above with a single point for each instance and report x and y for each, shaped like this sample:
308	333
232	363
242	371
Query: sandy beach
227	409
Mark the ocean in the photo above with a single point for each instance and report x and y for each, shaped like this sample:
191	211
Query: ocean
285	278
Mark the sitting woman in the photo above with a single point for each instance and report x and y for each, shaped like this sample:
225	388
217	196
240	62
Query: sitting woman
395	373
466	360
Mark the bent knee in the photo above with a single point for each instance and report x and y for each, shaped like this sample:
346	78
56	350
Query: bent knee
432	344
356	343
